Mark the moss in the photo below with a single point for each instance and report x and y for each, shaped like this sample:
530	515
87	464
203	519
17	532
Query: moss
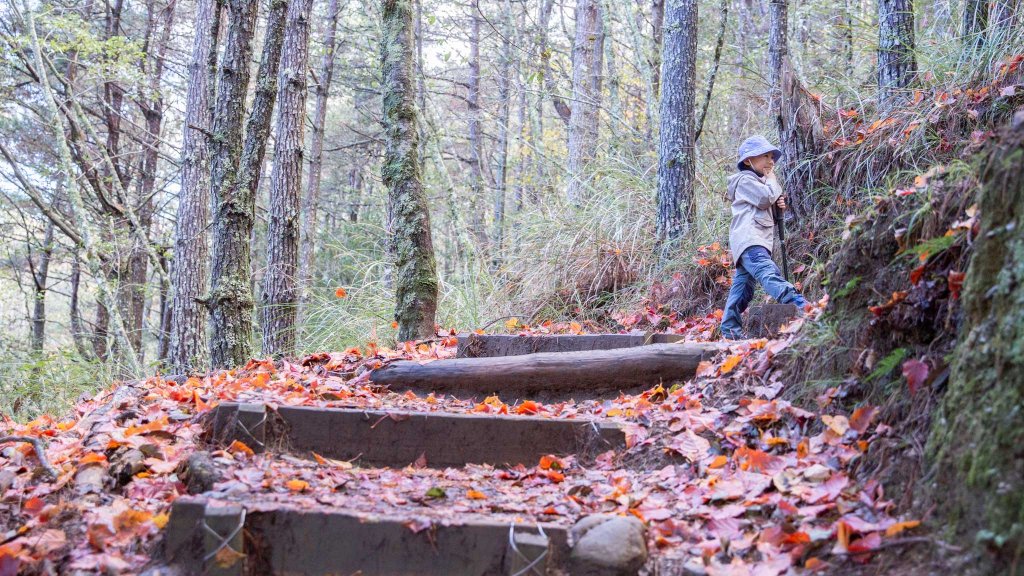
977	440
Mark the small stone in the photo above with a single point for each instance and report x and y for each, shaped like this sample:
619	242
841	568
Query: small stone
607	545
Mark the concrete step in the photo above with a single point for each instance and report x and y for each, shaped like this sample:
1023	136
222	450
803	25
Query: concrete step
224	538
491	345
397	438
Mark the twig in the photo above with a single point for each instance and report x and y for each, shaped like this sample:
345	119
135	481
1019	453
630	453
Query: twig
902	542
37	445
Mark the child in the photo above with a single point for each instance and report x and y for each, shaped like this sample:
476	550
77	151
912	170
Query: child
754	191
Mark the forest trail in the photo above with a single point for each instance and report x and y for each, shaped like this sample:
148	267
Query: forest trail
315	469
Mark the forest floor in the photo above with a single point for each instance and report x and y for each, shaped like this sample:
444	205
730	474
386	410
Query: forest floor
727	477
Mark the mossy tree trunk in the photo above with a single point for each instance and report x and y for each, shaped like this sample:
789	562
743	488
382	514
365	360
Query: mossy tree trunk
415	269
280	290
230	299
977	440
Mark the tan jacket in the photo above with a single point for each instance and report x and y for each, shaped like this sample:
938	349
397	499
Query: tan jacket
752	223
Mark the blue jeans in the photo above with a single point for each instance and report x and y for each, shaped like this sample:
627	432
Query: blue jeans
755	264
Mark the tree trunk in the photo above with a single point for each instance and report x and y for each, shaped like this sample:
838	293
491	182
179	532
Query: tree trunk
230	299
77	329
152	107
713	72
415	271
40	274
190	271
975	23
163	346
311	201
546	78
476	134
797	117
1004	16
897	64
676	165
977	434
280	290
584	122
501	161
657	38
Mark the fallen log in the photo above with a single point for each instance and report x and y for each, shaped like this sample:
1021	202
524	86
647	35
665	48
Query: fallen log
486	345
563	374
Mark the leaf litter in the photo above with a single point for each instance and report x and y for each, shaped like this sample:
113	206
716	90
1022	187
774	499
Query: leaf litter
727	476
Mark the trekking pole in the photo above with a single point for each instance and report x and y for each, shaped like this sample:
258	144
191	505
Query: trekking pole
780	224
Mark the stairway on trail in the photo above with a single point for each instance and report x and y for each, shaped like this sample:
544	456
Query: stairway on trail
329	520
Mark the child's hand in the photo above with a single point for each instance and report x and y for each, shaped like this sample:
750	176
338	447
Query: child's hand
781	202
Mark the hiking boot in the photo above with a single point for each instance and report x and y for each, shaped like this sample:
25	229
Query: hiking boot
735	335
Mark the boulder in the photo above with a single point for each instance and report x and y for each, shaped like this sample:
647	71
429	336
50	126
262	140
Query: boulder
608	545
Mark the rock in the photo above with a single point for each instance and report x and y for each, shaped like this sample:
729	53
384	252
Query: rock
607	545
200	472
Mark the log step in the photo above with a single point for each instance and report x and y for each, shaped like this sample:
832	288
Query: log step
279	539
491	345
552	375
399	438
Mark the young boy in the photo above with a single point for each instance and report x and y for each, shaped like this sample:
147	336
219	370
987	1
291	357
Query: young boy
753	191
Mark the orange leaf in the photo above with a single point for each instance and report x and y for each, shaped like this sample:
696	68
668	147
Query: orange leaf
297	485
843	535
527	407
394	324
731	362
555	476
33	505
92	458
550	462
719	461
862	417
238	446
575	327
154	426
476	495
340	293
803	448
901	526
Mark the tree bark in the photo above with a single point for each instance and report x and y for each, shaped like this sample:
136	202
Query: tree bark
975	23
415	269
190	271
230	299
897	64
152	107
584	122
1004	16
476	134
40	274
676	164
797	117
977	434
501	160
311	201
280	289
657	38
75	313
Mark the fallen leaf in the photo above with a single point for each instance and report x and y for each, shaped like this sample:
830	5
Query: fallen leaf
239	447
862	417
901	526
475	495
838	424
916	373
730	363
340	292
297	485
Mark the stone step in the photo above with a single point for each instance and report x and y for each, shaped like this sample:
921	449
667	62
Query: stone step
398	438
552	375
225	538
491	345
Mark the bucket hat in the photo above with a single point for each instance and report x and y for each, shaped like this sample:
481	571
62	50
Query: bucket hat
755	146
